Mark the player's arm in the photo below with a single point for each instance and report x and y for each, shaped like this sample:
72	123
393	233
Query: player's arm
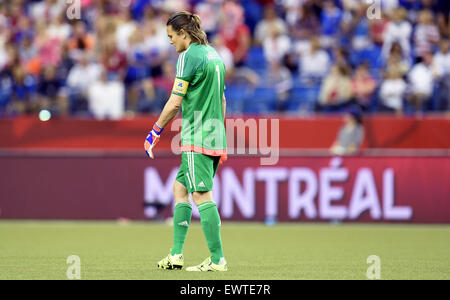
169	112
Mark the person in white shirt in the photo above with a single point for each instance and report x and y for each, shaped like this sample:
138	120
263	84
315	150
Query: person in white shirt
79	79
441	59
270	19
421	82
224	53
392	91
106	99
314	63
125	29
398	30
276	44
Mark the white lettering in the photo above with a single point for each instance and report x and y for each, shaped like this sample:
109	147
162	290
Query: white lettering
298	200
271	176
364	196
243	194
328	193
391	212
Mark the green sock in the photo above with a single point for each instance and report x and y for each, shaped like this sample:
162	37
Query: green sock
181	220
210	220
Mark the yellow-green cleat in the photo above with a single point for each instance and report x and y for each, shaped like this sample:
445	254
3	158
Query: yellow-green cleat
208	266
172	262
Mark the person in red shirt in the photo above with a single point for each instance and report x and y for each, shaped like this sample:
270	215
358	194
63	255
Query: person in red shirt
233	31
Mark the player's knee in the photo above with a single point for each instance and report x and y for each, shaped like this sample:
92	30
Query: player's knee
200	197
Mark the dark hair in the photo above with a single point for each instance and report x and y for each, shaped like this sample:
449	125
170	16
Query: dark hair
189	23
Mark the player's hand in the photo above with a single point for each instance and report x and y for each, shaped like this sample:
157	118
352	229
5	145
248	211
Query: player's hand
152	139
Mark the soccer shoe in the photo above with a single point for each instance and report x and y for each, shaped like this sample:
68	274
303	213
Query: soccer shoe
171	262
208	266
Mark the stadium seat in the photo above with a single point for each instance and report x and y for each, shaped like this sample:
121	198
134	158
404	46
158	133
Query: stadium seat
303	98
235	95
261	101
256	60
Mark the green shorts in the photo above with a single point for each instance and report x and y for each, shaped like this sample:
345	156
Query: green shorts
197	171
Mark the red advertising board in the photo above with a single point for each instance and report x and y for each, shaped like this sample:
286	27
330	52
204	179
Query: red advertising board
360	189
314	132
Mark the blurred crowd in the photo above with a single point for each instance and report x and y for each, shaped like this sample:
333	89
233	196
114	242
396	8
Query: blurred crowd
112	59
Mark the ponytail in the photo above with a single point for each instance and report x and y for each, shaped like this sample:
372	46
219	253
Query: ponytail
190	23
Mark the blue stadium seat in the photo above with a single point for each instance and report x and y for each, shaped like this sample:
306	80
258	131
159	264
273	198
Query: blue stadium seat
372	55
235	95
256	60
261	101
303	98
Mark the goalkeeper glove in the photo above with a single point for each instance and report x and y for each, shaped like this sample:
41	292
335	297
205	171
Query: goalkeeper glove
152	139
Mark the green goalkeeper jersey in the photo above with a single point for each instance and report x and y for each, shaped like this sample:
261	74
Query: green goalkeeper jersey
200	75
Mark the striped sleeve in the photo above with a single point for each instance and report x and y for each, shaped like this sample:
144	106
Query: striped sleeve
187	65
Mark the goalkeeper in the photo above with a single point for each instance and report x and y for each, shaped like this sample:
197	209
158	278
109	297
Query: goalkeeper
199	91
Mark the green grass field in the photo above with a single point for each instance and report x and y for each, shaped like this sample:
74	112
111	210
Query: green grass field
108	250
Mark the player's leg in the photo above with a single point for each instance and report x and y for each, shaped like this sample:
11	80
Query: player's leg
211	224
181	217
181	221
201	171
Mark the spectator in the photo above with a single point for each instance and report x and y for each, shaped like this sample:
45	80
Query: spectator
106	99
49	48
280	78
81	41
234	32
151	99
276	44
165	81
355	26
155	45
49	92
392	91
363	86
125	29
397	60
336	90
23	92
351	134
421	82
314	64
59	29
330	20
377	29
389	5
114	61
426	34
209	13
46	10
441	60
306	27
398	30
225	54
340	55
6	83
80	77
270	21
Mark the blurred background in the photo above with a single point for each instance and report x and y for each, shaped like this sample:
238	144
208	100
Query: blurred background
295	56
359	88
